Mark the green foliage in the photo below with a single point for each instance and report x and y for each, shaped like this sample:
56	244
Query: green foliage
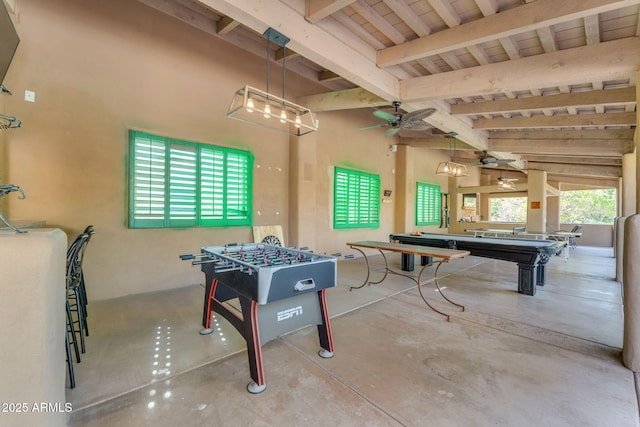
508	209
588	206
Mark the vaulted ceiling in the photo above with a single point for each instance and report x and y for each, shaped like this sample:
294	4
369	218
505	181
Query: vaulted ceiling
551	84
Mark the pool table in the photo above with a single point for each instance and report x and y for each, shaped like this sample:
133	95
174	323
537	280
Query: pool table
530	255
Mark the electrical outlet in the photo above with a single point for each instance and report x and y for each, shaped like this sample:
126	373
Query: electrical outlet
30	96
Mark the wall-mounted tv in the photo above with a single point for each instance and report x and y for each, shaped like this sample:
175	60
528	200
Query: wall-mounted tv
8	40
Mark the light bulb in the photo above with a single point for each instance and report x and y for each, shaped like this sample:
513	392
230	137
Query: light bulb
267	111
446	167
250	105
298	121
283	116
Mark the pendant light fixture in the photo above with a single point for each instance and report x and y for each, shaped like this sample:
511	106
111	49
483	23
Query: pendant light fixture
451	168
252	105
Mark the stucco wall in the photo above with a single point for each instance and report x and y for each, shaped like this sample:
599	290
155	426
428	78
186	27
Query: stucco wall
101	68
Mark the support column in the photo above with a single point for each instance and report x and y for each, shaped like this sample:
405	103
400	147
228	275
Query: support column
636	140
553	210
537	201
631	278
629	180
302	191
405	188
618	248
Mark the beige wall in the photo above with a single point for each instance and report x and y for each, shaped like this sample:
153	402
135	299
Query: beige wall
101	68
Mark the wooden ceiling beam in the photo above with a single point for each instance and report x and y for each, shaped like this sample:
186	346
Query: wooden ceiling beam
582	170
315	10
571	134
580	159
576	100
326	76
611	60
593	147
579	120
597	182
225	25
313	42
342	100
518	20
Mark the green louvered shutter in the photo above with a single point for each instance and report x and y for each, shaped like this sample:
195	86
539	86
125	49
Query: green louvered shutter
182	193
184	184
427	204
238	208
356	199
147	181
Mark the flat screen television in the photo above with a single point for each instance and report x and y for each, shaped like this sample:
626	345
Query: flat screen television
8	40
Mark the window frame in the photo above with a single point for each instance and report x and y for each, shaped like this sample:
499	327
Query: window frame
345	200
170	181
424	213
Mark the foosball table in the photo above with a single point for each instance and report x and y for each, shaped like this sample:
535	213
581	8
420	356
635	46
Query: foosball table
279	290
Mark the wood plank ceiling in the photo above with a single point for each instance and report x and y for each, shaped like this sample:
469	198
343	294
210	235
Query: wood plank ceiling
549	83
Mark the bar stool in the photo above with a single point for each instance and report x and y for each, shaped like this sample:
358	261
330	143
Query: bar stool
74	294
70	339
75	281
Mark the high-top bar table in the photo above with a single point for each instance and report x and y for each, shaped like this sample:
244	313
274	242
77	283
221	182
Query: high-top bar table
444	255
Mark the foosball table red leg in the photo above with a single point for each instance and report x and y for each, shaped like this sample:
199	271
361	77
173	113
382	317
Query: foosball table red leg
324	329
207	311
254	346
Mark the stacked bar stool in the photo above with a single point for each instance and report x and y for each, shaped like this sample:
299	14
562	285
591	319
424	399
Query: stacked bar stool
76	304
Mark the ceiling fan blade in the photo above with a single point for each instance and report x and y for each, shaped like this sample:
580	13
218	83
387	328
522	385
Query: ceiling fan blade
416	126
392	131
504	161
418	115
385	115
382	125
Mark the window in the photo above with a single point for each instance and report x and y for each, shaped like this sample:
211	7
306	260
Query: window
427	204
588	206
356	199
175	183
508	209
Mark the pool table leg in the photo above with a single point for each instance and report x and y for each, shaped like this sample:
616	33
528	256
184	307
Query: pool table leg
527	279
541	275
407	262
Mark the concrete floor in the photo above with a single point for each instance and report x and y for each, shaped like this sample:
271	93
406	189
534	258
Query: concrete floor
553	359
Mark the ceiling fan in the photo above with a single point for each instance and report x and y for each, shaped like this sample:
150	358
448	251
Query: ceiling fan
487	161
505	182
502	179
397	121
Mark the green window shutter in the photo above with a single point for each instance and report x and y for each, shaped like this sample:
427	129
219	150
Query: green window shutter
238	209
427	204
356	199
212	186
182	194
147	181
183	184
